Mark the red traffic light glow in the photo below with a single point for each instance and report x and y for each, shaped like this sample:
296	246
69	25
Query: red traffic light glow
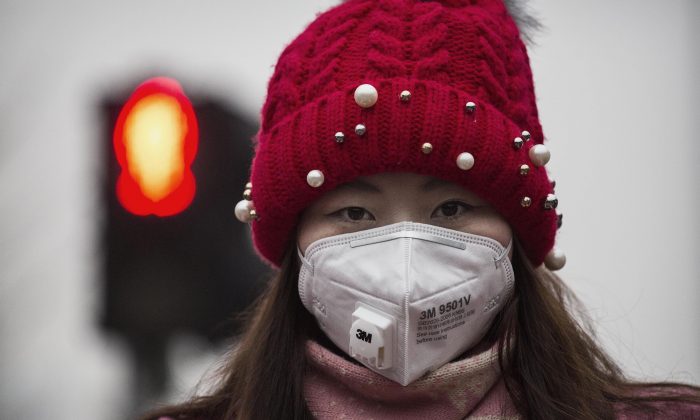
155	141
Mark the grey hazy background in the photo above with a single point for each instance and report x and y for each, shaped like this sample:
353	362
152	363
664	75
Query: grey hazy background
618	90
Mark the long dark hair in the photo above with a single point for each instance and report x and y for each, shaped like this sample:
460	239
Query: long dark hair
552	365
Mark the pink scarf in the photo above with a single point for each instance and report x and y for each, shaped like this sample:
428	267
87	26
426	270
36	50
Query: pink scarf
470	388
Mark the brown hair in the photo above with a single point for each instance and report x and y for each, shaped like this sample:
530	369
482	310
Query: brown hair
553	367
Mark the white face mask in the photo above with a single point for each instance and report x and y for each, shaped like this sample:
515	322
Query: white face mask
406	298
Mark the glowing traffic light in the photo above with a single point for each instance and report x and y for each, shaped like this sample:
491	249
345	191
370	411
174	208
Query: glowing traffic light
155	141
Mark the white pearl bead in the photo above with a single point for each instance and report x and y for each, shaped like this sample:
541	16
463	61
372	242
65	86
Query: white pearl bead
315	178
242	211
366	95
539	154
555	259
465	161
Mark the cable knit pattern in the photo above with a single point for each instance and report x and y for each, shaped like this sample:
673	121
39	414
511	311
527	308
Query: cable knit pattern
446	53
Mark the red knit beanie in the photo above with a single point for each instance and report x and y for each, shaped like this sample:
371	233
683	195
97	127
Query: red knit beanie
441	88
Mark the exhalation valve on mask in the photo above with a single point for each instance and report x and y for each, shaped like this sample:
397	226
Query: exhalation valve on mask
406	298
372	337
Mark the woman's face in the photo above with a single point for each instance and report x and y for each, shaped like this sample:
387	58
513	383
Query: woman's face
378	200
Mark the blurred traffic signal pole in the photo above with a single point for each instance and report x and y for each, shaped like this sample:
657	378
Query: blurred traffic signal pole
174	258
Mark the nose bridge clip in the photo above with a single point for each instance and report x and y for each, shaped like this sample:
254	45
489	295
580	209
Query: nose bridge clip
408	234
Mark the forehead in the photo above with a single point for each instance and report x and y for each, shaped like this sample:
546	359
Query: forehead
401	183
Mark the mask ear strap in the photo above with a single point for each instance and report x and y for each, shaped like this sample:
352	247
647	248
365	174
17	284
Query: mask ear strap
302	258
500	258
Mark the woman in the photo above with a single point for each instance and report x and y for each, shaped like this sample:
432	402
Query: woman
399	185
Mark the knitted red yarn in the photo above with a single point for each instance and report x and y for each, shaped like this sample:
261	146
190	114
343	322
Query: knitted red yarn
446	53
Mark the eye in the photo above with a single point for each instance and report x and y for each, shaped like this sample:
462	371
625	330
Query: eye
354	214
451	209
